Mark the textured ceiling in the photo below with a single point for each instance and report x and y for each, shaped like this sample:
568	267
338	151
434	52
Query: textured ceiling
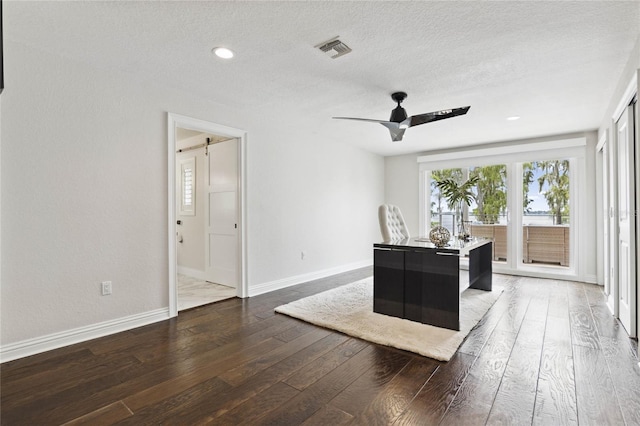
555	64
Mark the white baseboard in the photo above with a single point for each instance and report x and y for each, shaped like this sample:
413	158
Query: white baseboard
255	290
193	273
81	334
591	279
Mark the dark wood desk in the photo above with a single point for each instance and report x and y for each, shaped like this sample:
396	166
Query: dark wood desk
415	280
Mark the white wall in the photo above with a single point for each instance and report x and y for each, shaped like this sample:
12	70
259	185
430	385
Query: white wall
310	196
630	70
84	196
402	189
190	252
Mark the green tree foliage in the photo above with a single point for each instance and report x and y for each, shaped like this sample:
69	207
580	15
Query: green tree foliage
527	179
489	189
457	193
440	175
556	175
490	192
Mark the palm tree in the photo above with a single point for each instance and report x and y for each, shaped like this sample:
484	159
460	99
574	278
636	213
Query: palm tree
439	175
456	194
491	192
556	175
527	179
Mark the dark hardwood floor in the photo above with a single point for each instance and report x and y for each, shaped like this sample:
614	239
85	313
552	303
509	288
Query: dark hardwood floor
547	352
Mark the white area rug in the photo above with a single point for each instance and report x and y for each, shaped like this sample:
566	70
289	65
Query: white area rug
349	309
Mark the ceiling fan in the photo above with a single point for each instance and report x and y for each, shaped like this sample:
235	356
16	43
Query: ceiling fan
399	122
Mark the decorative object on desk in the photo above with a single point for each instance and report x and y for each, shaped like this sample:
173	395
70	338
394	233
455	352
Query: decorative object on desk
349	309
456	194
466	229
439	236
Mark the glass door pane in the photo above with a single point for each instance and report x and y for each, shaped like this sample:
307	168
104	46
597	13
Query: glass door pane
442	213
487	214
545	214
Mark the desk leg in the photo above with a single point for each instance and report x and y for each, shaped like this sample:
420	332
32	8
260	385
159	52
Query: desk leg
441	289
480	267
388	282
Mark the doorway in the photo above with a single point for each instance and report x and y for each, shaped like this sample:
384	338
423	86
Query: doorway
206	212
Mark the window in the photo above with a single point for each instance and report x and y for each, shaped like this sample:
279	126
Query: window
485	216
546	212
187	186
442	213
529	197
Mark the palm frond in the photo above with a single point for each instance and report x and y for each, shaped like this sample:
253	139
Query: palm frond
456	193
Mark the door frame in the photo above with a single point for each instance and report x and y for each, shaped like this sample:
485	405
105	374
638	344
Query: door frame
605	151
628	96
174	121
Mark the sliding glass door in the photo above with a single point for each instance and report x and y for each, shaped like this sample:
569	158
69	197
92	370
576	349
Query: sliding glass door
527	202
546	224
486	216
442	212
488	212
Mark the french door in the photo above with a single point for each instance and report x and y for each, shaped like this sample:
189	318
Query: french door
529	200
540	236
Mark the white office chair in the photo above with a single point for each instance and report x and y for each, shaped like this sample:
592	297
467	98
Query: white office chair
392	224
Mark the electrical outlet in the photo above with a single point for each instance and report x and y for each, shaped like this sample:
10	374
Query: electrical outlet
106	288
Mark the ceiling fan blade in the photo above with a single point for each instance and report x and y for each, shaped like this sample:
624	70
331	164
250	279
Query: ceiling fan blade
396	131
360	119
394	128
416	120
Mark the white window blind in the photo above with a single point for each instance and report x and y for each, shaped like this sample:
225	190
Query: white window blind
187	186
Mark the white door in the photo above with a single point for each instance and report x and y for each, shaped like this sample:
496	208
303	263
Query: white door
221	239
626	223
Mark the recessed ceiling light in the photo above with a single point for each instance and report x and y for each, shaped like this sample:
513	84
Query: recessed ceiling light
513	118
222	52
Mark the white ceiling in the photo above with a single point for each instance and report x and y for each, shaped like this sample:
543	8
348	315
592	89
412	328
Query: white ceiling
555	64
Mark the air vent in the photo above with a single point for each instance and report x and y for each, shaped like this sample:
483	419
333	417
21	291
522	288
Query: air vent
334	48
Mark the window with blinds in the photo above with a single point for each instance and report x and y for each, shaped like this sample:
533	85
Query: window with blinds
187	186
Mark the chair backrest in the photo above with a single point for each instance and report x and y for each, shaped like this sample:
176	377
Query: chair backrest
392	224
